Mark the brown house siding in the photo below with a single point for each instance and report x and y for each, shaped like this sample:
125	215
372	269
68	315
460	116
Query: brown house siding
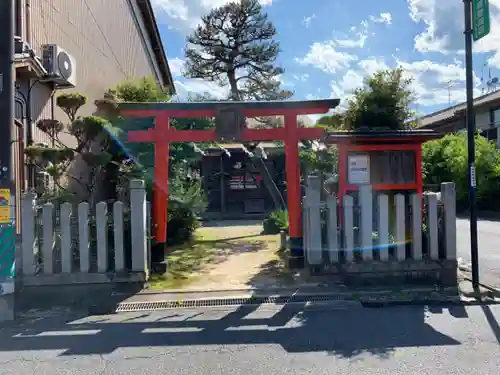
104	37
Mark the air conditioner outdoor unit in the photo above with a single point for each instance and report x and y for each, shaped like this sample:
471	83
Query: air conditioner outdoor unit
60	66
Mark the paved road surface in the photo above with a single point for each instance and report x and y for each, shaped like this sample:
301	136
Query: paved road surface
489	248
404	340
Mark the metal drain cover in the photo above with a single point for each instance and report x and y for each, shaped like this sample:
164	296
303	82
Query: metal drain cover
223	302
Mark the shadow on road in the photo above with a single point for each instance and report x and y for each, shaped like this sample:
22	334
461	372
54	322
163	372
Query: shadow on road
495	327
341	333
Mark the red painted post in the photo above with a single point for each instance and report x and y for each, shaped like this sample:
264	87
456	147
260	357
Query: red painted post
293	187
293	175
342	180
160	192
418	169
342	167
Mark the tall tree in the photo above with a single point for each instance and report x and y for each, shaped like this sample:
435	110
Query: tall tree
234	46
331	122
382	103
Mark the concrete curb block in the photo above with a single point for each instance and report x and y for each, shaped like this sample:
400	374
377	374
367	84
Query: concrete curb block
316	300
148	291
341	303
431	302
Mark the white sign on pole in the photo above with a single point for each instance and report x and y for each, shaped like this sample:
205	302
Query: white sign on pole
358	169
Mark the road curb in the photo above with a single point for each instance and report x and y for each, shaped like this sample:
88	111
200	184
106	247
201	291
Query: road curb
309	301
431	302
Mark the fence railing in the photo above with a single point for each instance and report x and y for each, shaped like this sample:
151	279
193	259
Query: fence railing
67	244
373	227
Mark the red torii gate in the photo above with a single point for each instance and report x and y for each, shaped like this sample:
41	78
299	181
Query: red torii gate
162	134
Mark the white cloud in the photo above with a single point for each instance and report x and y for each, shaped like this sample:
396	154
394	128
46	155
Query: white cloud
307	20
185	87
176	66
371	66
357	40
353	79
186	14
353	43
437	84
433	83
444	26
444	23
385	18
326	57
348	83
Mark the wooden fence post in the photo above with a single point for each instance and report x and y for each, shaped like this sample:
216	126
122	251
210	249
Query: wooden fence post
138	224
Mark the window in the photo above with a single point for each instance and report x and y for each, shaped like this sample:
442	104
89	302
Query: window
491	134
495	117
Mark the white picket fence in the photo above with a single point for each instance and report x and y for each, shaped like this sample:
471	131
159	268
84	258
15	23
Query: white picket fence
68	245
364	233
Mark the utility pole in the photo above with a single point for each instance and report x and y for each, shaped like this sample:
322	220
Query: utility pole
471	30
7	191
6	89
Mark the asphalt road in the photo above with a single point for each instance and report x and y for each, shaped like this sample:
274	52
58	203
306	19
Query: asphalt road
489	249
246	341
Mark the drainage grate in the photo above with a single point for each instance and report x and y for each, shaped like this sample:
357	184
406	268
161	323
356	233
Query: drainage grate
223	302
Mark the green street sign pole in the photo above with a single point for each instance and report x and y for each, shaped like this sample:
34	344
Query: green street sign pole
480	19
477	26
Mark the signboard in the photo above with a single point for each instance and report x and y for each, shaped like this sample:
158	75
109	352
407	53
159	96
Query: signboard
241	182
7	258
5	206
480	19
358	167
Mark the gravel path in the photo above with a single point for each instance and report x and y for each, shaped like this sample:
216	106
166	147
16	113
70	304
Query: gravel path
249	262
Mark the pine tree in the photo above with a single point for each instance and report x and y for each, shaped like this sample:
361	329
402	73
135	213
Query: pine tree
234	46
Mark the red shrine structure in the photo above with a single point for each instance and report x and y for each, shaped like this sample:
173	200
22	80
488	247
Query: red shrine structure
389	161
230	127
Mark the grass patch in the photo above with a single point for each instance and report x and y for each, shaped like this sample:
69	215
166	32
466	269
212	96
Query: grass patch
188	263
185	262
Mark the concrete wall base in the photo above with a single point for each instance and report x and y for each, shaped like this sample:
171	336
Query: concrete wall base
7	310
375	273
78	278
92	298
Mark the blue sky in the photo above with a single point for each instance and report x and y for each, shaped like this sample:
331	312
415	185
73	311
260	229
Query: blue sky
328	46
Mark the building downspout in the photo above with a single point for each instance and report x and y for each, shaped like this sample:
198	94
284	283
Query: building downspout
53	109
29	136
29	119
28	22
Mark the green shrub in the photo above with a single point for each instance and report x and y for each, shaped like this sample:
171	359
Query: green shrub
445	160
275	222
182	222
186	201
